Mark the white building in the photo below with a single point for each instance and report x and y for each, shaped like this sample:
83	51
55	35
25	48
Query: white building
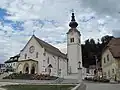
2	68
40	57
74	46
111	60
11	64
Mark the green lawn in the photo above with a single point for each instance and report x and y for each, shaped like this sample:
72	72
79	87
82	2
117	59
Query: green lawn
38	87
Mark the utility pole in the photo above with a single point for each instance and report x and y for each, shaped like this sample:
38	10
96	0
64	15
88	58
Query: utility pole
96	60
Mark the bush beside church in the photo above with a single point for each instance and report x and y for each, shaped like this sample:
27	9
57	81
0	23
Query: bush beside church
30	76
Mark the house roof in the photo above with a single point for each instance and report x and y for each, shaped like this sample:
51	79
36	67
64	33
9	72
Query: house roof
13	59
115	50
114	47
51	49
114	42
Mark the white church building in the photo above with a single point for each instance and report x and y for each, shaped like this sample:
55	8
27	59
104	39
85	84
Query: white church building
42	58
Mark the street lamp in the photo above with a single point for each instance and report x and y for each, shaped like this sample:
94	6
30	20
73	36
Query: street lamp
79	72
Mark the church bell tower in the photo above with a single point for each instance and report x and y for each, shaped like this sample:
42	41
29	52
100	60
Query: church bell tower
73	47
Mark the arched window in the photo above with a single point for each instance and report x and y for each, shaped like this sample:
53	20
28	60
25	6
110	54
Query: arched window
108	57
36	54
71	40
43	63
25	56
48	60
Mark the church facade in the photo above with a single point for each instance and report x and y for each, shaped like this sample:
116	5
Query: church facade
42	58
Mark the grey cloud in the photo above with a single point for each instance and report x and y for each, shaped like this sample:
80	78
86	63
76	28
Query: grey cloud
116	33
53	18
106	10
108	7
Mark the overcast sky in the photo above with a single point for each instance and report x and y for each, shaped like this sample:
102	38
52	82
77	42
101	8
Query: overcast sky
50	18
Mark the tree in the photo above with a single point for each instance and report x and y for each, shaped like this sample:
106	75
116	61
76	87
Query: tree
90	49
106	39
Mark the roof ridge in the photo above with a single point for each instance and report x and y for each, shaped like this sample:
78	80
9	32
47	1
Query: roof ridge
47	43
50	48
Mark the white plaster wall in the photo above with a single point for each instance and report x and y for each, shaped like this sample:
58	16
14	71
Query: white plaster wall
74	51
74	35
63	67
20	68
73	58
109	65
54	61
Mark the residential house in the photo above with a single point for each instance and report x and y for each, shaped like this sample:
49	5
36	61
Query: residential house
2	68
11	64
111	60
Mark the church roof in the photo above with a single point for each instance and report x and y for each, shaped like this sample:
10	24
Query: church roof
51	49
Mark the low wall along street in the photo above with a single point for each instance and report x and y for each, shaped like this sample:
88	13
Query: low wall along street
80	86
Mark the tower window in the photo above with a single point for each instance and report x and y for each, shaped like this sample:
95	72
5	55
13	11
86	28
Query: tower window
72	40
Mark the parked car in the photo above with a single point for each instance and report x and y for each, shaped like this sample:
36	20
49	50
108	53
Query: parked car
89	77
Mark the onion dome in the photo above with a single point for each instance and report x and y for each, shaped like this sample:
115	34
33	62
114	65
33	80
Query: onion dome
73	23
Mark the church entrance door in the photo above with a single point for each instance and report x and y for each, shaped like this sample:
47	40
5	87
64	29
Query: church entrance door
33	70
27	70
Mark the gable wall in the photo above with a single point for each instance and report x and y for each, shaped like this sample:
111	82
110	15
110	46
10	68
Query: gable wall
42	59
109	65
38	49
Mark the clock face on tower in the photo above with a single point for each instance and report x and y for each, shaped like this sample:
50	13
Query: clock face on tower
31	49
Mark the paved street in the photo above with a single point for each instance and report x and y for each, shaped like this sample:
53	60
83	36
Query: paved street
101	86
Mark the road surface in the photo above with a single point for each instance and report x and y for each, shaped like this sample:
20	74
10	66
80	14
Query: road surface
102	86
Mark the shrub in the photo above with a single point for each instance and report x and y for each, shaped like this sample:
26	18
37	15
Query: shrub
30	76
